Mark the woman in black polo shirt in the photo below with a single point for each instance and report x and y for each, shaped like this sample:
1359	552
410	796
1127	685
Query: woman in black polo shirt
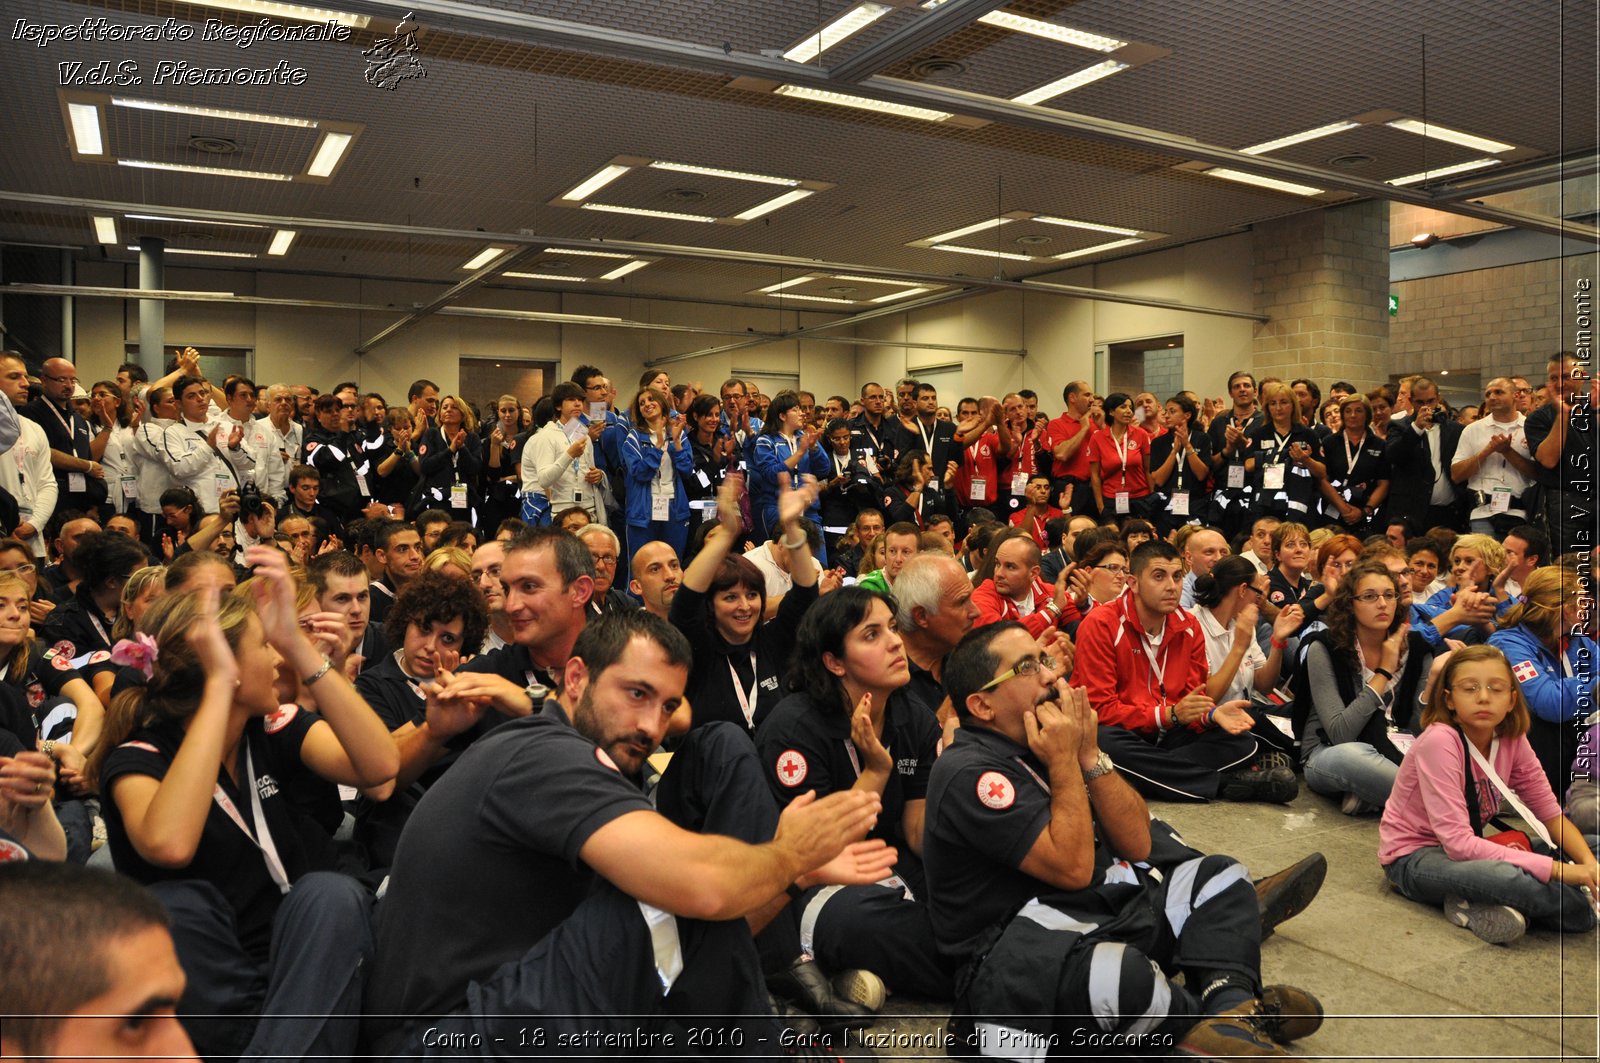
192	769
1285	461
739	660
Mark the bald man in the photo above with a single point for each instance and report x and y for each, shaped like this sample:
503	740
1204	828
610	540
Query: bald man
80	479
657	575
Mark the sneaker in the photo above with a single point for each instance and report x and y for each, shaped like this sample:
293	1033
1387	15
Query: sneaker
1288	893
97	836
1269	778
1236	1032
803	984
860	987
1288	1013
1498	924
1354	806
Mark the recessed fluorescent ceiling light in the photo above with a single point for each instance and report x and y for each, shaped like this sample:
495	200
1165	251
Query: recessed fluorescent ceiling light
815	298
213	112
1444	171
200	251
1298	138
668	214
791	282
1453	136
216	171
980	251
845	26
484	257
1090	225
892	296
586	254
547	277
85	119
598	181
105	229
804	92
956	234
328	153
732	175
280	242
298	12
1265	182
863	280
1050	31
773	204
1070	82
624	269
1096	249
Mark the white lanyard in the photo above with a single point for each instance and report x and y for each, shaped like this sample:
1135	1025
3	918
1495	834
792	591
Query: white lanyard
1156	668
99	629
927	438
1122	453
972	452
747	702
1283	441
840	465
66	424
262	836
1506	791
1350	456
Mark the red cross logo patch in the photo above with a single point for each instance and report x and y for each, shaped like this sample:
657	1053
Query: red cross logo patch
280	719
995	790
1524	671
792	767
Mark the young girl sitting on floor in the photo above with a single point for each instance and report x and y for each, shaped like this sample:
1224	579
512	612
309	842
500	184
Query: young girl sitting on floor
1432	848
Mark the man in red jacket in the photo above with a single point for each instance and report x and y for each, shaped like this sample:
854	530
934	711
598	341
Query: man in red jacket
1015	591
1143	661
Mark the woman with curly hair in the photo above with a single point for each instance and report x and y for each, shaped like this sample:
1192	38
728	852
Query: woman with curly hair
1360	689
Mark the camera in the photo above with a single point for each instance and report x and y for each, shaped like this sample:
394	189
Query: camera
250	501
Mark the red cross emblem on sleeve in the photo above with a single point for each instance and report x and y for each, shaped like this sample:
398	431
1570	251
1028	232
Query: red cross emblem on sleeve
995	790
792	767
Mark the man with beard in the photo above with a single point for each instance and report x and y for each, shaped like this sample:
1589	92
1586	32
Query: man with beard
657	575
1071	906
629	926
398	548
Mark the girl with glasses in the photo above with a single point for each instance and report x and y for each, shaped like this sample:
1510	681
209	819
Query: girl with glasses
1474	739
1359	690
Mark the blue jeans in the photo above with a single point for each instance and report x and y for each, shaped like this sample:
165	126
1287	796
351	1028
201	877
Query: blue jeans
1351	767
1429	876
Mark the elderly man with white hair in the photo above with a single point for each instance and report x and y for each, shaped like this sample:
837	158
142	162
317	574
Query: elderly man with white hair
274	443
606	549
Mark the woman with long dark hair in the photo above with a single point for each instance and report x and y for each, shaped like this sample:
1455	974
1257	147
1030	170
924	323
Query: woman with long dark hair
786	450
847	709
1360	690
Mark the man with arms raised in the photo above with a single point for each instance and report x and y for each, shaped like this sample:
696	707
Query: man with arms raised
1046	870
624	923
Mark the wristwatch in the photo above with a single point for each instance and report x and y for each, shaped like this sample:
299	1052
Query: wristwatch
537	693
1102	765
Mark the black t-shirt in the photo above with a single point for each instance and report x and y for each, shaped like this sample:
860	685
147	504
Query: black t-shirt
1182	477
985	811
48	671
710	689
806	746
1371	465
226	856
77	628
488	863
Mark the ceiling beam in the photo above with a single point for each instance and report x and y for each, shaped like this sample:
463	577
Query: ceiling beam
927	28
1497	182
478	238
597	40
752	338
496	266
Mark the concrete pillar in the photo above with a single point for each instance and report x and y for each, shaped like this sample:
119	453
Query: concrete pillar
1323	279
152	312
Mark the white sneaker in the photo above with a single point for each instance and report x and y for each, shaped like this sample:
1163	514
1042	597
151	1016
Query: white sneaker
1498	924
860	987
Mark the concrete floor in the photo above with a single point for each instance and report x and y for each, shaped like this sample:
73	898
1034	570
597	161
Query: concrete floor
1397	981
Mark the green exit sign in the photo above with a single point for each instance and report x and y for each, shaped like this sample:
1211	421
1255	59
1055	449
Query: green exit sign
1394	305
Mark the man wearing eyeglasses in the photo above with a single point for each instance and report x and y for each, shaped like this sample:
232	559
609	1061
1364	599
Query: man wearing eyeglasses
1046	868
80	479
606	552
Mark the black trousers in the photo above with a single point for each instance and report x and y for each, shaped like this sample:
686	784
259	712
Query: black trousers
1182	765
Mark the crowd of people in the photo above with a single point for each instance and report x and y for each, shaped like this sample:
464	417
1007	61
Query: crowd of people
669	719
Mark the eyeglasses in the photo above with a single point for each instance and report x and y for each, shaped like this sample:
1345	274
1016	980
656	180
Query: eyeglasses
347	405
1472	689
608	560
21	570
1026	666
1120	570
1258	591
1368	597
62	379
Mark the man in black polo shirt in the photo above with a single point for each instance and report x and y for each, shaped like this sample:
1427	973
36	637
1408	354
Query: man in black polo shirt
876	435
1561	436
934	596
1071	906
82	625
79	476
537	900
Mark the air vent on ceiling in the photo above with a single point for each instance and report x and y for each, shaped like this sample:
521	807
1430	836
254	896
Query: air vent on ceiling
214	145
685	195
1033	240
1351	160
937	69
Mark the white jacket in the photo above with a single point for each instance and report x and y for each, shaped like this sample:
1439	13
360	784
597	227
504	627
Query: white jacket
196	466
547	469
274	455
25	471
